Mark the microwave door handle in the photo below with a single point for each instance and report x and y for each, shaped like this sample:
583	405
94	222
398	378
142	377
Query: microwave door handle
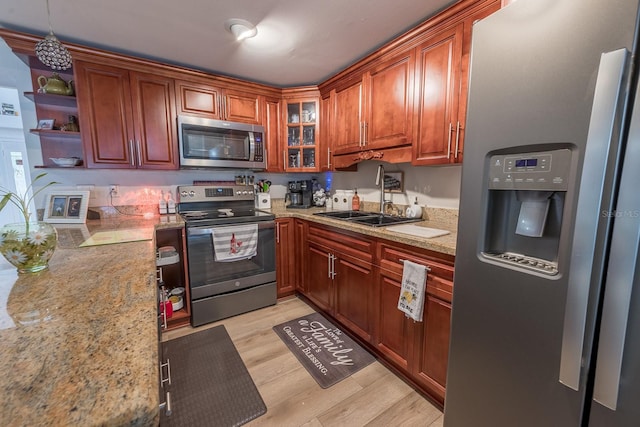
251	140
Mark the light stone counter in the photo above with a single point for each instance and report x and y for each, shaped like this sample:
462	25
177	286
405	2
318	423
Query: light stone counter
79	341
444	219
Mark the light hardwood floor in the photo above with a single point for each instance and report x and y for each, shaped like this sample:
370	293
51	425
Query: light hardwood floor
372	396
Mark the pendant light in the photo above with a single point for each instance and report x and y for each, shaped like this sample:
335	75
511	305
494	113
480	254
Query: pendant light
50	51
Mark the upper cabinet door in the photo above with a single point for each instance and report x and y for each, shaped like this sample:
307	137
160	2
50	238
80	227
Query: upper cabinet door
198	99
241	107
271	122
127	118
106	117
389	108
437	95
348	125
156	144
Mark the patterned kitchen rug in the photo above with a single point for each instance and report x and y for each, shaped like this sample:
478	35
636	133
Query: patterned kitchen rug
210	385
326	352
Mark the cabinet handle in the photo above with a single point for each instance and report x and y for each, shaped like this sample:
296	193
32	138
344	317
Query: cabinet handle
328	158
284	159
168	378
162	301
329	265
278	232
138	150
449	142
364	134
360	139
132	155
224	106
166	405
455	153
333	266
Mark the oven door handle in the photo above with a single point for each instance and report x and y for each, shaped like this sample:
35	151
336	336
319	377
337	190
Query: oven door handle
198	231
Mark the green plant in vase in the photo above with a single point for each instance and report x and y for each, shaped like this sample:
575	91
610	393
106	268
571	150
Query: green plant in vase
27	245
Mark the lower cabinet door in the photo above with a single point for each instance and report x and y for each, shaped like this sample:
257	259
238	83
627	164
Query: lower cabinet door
318	283
432	351
354	290
395	330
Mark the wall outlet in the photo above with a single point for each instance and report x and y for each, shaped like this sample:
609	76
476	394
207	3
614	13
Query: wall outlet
114	190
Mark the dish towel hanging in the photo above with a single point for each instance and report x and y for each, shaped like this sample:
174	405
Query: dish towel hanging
411	301
233	243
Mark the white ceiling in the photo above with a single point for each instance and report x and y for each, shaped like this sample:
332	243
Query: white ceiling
299	42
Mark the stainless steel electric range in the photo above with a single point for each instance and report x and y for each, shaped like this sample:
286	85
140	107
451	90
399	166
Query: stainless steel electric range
230	251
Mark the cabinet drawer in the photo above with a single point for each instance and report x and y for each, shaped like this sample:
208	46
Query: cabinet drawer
345	243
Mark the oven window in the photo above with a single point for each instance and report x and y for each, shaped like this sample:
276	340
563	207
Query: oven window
204	270
215	143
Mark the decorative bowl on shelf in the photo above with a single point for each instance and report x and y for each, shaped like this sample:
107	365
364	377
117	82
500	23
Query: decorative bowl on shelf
66	162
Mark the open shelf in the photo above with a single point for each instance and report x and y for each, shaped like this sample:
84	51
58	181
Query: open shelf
56	133
51	99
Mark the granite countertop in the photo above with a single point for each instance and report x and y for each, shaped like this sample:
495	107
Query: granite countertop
444	219
80	339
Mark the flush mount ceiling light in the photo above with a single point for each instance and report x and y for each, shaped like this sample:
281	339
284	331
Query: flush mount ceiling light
240	28
51	52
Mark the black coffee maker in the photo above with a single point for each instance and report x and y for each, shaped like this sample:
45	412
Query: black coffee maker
300	195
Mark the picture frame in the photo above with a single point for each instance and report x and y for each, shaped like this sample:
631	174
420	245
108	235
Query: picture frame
394	182
46	124
66	206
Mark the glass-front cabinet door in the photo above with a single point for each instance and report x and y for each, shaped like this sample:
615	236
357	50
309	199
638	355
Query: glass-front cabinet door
302	138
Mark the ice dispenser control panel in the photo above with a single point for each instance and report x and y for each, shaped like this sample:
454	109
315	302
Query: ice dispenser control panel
544	170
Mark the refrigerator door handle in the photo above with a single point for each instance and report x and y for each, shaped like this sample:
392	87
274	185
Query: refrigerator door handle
606	109
621	271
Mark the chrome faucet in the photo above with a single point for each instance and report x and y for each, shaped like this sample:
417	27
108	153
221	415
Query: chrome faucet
380	182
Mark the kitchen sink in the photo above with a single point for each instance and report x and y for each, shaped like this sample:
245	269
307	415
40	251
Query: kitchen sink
345	214
372	219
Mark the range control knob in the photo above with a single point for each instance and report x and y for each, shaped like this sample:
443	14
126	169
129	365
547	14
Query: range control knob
184	193
192	193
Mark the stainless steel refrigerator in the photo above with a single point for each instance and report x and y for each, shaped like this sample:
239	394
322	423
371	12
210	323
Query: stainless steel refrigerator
545	326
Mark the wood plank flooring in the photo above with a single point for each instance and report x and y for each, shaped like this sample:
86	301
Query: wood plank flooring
372	396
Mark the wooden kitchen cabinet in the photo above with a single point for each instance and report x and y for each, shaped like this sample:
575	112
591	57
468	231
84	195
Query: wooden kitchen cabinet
286	265
175	274
325	153
301	242
389	103
301	134
437	93
376	111
220	103
442	75
348	117
340	277
128	118
420	349
272	129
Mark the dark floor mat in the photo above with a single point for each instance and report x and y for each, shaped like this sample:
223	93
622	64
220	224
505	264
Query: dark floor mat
210	385
326	352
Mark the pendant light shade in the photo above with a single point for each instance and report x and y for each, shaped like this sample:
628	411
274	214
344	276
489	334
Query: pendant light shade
51	52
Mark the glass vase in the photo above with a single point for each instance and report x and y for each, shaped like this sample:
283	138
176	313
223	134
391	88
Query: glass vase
28	246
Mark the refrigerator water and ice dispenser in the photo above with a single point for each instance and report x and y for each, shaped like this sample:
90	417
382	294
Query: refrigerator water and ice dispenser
526	195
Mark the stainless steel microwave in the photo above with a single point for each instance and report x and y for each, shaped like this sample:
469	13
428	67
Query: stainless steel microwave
208	143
